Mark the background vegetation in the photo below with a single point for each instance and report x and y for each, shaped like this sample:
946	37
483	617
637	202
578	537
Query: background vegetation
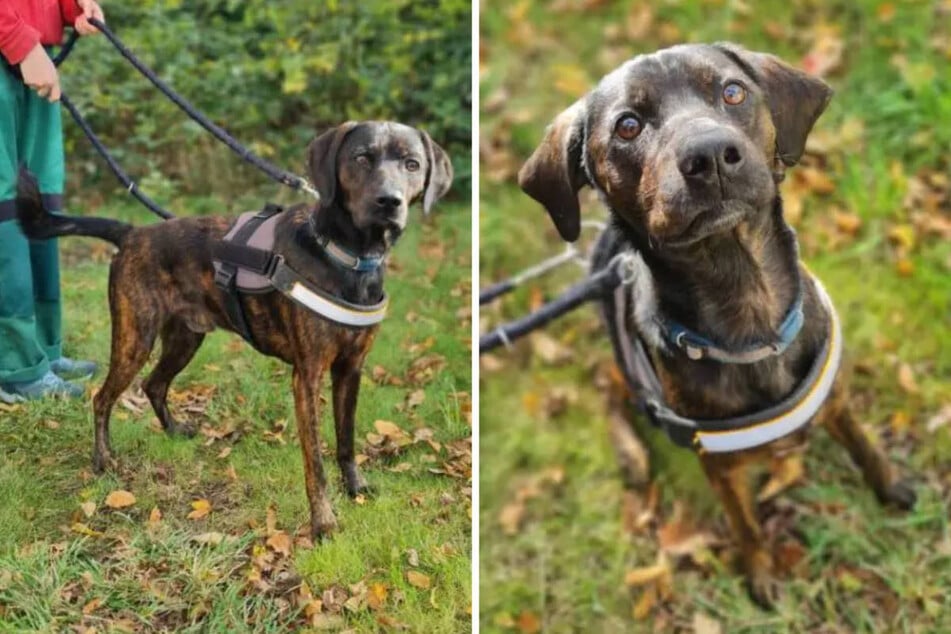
209	534
272	74
560	551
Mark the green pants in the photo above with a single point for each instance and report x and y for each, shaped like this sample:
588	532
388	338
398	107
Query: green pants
30	309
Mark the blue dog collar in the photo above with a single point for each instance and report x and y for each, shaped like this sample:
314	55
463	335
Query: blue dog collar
345	259
697	347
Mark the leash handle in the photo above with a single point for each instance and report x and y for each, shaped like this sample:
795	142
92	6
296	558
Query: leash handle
276	173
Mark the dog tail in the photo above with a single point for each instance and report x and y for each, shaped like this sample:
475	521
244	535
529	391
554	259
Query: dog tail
38	223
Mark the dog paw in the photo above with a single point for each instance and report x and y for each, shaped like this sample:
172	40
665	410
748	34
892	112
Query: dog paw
181	429
323	524
901	495
103	461
355	483
765	590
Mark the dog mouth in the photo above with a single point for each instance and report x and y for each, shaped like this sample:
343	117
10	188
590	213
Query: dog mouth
722	218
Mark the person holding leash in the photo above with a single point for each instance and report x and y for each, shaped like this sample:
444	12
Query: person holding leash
32	365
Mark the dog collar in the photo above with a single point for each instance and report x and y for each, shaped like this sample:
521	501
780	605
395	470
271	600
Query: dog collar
697	347
346	259
728	434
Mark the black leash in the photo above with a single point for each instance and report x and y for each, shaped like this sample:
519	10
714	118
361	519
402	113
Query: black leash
276	173
617	272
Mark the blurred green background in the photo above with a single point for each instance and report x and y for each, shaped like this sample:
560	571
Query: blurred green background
272	74
871	207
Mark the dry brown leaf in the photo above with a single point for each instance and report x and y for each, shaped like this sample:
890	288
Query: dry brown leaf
90	607
155	515
200	508
703	624
119	499
550	350
88	508
418	580
528	623
646	575
209	539
415	398
645	604
280	542
906	379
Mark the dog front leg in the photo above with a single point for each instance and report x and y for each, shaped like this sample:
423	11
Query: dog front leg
345	374
307	380
728	475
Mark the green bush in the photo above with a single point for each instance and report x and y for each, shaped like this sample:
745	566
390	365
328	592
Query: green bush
271	73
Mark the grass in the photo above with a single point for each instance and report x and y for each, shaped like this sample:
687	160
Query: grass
125	570
559	564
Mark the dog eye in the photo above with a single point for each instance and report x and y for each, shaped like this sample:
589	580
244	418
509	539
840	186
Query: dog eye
412	165
363	160
628	127
734	94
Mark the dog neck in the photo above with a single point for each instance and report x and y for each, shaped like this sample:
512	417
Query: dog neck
310	259
734	288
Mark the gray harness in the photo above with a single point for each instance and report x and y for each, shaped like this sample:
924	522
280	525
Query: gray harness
245	263
714	435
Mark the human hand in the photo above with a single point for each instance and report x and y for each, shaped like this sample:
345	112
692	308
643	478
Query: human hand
40	74
91	9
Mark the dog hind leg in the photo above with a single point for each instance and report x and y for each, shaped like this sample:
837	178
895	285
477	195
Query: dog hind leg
133	334
179	345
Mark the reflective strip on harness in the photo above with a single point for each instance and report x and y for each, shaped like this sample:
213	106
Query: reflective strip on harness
288	282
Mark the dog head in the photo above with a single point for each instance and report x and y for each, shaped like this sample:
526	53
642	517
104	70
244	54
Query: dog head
682	144
375	169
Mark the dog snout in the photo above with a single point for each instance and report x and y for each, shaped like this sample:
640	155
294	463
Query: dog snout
711	156
390	201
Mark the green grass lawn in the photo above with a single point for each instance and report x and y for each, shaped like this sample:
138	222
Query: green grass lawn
555	547
402	557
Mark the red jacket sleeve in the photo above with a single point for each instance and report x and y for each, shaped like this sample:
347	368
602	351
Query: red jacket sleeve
17	38
70	10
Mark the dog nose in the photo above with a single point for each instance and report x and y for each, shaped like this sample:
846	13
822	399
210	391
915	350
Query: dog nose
703	158
389	201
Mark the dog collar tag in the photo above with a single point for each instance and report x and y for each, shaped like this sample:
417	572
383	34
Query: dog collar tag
694	354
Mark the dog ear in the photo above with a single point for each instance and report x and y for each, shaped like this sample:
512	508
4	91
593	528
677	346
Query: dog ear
322	160
553	174
438	173
796	99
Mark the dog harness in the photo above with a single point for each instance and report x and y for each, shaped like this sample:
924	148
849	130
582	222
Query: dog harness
246	264
726	434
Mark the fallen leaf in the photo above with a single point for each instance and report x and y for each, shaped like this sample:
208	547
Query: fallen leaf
280	542
119	499
90	607
703	624
155	515
528	623
209	539
88	508
224	453
376	595
200	508
646	575
906	379
418	580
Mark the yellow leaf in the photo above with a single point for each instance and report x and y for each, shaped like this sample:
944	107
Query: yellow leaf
418	580
155	515
82	529
643	576
376	596
119	499
200	508
88	508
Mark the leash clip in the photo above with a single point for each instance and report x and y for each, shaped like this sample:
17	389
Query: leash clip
307	187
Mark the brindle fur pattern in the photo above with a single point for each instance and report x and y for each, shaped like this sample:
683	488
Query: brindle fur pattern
161	286
723	260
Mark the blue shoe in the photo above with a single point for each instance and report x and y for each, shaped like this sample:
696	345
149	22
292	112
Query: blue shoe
66	368
48	385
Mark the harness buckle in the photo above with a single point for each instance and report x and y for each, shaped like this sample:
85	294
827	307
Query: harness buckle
225	276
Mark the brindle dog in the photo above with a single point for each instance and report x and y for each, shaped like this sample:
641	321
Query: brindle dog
161	284
686	147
